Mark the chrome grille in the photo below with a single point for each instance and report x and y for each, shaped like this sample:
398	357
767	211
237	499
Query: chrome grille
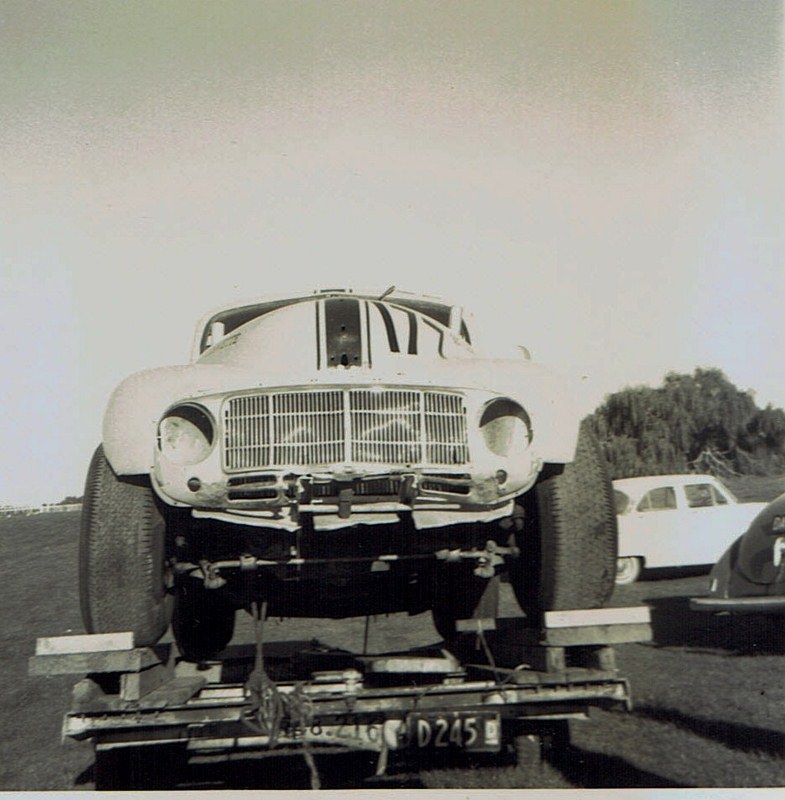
307	427
247	432
386	426
445	429
372	426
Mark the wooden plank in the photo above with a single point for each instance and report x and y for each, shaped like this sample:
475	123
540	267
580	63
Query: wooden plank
135	685
173	692
109	661
597	634
84	643
411	664
596	616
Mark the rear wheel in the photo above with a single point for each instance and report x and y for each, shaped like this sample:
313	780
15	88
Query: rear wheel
569	542
122	581
203	621
627	570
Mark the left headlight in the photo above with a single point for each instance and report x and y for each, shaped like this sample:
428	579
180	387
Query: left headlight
505	427
186	434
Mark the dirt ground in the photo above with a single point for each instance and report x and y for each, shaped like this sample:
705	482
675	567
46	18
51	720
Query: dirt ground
708	695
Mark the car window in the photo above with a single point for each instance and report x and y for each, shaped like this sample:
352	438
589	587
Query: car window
622	501
663	497
719	497
699	495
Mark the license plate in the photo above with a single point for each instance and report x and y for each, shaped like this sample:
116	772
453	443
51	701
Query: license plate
470	731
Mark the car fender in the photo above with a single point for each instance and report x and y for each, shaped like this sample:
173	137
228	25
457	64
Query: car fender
548	397
136	405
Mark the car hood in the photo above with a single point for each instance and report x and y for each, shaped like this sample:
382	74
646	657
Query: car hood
313	344
755	559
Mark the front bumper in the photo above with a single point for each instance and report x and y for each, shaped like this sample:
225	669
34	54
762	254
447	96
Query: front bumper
347	495
739	605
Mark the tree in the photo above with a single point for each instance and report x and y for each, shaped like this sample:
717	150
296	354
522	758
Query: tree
697	422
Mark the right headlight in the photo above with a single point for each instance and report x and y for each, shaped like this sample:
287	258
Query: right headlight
505	427
186	434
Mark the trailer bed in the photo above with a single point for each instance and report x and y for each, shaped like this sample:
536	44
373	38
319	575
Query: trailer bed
317	699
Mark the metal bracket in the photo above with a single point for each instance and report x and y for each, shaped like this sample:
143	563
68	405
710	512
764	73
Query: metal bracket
487	560
345	503
212	580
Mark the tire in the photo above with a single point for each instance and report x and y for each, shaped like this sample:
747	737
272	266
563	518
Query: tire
203	622
627	570
569	542
122	581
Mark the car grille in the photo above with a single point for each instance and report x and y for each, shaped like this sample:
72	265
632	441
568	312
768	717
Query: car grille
398	427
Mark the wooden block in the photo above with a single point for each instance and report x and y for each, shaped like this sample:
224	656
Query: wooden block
135	685
85	643
597	634
597	616
109	661
173	692
554	659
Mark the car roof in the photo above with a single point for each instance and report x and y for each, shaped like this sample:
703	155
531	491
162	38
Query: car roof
392	293
645	482
238	313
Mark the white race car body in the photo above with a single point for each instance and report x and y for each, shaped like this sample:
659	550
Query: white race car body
346	407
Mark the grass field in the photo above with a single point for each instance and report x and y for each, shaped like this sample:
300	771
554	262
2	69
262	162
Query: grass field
708	694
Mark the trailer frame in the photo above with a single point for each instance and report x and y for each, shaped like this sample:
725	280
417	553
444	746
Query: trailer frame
321	700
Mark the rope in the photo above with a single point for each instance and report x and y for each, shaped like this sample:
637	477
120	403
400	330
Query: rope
300	712
488	654
267	703
269	706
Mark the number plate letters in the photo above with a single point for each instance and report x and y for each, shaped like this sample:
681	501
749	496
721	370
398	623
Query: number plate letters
474	732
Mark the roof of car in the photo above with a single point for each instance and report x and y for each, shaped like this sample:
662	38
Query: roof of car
233	314
647	481
392	293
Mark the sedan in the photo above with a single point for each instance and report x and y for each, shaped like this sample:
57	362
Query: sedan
675	521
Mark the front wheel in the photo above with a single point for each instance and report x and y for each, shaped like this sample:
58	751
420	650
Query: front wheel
569	542
122	576
627	570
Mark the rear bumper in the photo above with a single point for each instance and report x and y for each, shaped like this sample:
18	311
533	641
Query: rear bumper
739	605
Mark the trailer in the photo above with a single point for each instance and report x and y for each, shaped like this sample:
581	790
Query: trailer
504	686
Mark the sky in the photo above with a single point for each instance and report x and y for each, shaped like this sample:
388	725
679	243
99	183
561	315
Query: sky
601	182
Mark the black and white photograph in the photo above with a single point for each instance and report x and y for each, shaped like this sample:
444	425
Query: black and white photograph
394	396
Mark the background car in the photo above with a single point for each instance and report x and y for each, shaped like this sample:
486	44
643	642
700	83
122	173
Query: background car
750	576
336	455
675	521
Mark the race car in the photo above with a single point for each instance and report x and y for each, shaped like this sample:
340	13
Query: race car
340	454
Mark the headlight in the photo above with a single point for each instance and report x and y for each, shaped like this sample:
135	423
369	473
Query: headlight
185	434
505	426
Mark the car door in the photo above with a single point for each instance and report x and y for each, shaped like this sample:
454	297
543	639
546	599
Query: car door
711	524
652	529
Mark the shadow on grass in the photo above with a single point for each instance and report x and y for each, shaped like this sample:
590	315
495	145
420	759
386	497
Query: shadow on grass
590	770
675	625
246	771
745	738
